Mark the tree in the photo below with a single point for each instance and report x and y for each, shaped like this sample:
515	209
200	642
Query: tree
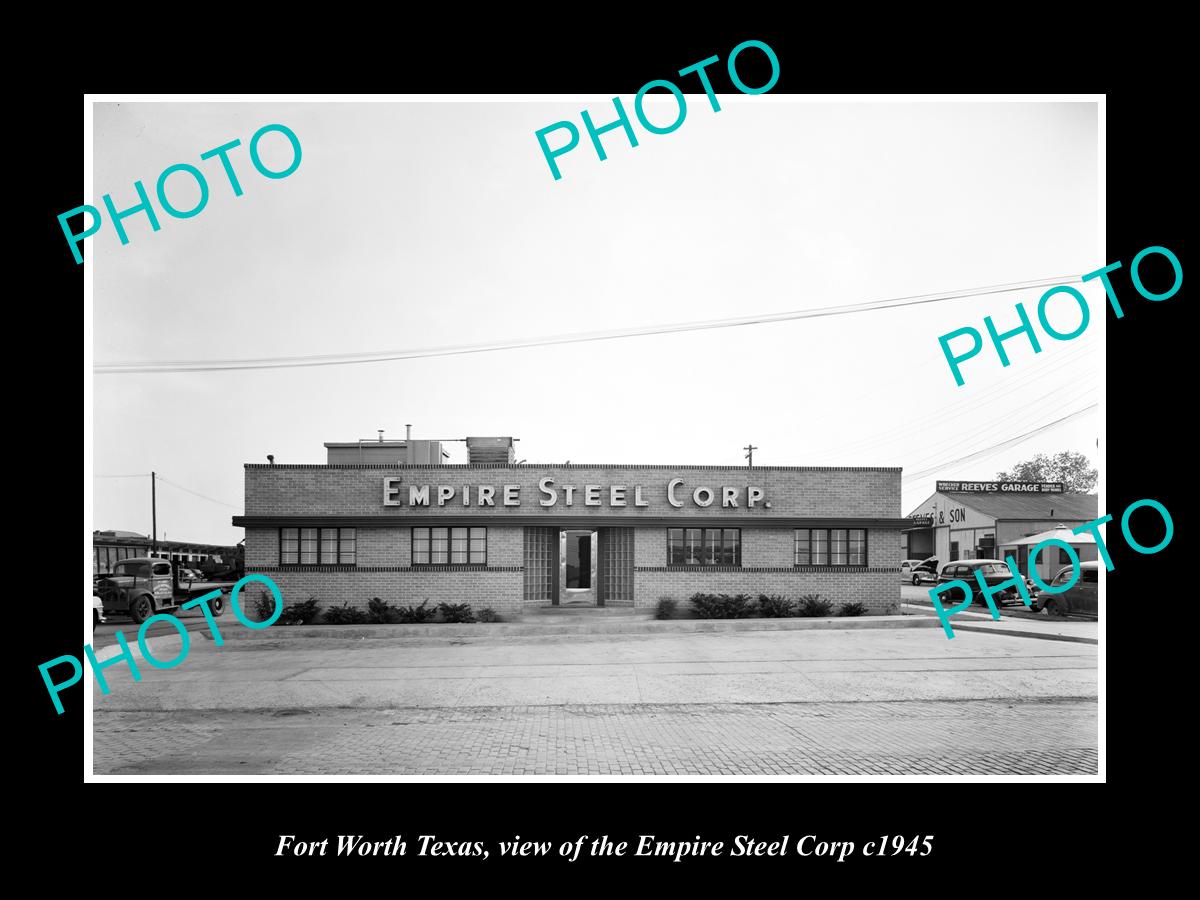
1071	468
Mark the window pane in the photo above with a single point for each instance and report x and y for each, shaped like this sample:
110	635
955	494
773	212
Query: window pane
838	550
802	557
858	547
328	546
458	545
731	547
479	545
693	547
439	545
712	546
420	546
308	546
820	547
289	547
349	545
674	546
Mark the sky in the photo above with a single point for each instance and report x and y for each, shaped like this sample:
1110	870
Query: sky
411	225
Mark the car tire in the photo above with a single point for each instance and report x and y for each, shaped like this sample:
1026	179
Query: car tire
1056	608
217	605
916	581
141	609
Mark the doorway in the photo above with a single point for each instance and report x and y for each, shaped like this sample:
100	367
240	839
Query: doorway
577	557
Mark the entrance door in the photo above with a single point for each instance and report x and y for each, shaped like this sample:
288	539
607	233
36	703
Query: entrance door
577	556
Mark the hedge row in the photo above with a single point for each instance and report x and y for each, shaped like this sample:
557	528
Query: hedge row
378	612
773	606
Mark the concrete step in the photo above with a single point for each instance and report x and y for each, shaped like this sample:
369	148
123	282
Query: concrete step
587	612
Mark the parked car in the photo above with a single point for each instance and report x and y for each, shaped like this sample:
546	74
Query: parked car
926	571
995	571
97	611
906	569
1082	598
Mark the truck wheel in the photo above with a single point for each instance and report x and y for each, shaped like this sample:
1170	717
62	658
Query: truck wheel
217	605
141	609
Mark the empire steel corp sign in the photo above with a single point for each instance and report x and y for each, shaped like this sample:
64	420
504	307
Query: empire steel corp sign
549	494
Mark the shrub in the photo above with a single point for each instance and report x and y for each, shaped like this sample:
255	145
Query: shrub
345	615
813	606
299	613
666	608
775	606
487	614
415	615
264	606
380	612
722	606
456	612
705	605
852	609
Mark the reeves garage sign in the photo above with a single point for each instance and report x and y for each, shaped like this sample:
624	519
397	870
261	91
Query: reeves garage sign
1001	487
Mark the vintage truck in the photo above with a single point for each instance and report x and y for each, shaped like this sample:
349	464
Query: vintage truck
141	586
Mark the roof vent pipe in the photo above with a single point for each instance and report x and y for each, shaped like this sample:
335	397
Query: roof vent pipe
408	432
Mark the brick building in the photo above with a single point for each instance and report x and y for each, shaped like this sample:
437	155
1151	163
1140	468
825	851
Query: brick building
393	519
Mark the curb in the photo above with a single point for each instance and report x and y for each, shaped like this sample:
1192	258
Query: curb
652	626
1040	635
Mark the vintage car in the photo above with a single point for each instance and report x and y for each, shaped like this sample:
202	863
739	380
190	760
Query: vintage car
994	571
1082	598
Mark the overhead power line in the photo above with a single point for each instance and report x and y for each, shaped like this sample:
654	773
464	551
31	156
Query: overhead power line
176	486
196	493
987	451
342	359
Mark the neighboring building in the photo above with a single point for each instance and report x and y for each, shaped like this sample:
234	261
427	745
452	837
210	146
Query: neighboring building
981	520
390	519
1054	557
110	546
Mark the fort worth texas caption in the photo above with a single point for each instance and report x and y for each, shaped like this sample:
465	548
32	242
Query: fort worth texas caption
585	845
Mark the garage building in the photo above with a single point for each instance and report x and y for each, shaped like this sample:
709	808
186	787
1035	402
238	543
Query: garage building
984	519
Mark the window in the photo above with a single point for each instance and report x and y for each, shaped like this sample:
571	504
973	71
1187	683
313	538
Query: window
449	546
829	547
1064	558
312	546
704	546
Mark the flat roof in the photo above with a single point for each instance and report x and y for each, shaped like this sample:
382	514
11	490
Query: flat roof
527	465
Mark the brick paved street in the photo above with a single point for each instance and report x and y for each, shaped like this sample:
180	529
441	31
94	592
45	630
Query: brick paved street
920	737
834	702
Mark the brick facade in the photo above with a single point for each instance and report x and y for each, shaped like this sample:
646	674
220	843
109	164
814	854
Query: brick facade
765	503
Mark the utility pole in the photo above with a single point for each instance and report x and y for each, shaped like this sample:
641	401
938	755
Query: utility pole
750	448
153	514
